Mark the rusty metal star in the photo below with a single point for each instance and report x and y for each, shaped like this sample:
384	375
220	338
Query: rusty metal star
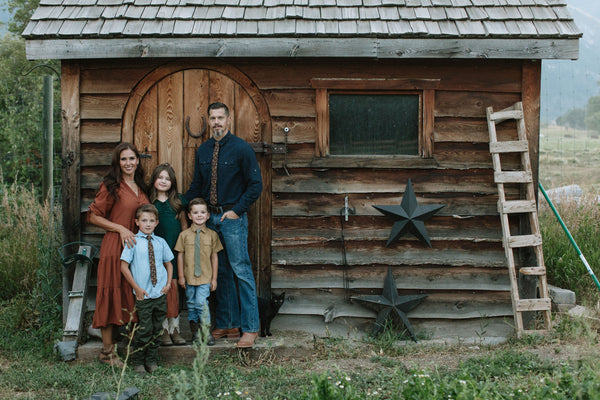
390	305
409	216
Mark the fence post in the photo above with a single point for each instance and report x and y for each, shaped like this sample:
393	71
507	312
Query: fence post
47	139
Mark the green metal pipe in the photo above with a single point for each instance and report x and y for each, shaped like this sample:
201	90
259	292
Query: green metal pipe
581	256
48	139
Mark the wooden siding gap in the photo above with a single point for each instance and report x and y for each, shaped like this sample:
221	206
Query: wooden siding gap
247	27
331	13
134	12
496	27
526	12
546	27
348	27
150	12
284	26
70	28
233	13
133	28
201	28
306	27
407	13
526	27
543	13
266	27
113	26
215	12
351	13
166	27
166	12
470	27
419	27
438	13
378	26
389	13
400	27
293	12
151	27
183	12
433	27
183	27
456	13
276	12
255	13
422	13
476	13
448	28
368	13
311	13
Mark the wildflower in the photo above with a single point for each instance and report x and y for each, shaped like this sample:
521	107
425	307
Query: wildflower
462	382
348	378
238	392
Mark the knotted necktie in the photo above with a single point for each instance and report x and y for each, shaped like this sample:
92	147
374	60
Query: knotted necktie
197	267
152	260
213	174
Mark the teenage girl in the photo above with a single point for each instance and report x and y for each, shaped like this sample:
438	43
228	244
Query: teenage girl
171	221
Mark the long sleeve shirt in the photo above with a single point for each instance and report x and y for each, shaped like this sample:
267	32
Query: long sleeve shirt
239	182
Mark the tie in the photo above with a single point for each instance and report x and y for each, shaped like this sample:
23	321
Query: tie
197	268
152	261
213	175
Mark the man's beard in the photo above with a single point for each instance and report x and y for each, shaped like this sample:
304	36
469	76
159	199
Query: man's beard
219	133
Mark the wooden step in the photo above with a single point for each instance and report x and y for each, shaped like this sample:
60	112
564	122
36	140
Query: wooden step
533	305
524	241
517	206
539	271
503	115
513	177
516	146
542	332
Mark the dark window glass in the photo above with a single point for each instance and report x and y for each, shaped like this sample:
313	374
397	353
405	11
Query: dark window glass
371	124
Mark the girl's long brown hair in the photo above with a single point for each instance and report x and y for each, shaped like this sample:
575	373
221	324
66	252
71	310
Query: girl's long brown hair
112	180
172	193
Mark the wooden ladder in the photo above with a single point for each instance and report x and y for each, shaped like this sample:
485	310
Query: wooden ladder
77	296
524	180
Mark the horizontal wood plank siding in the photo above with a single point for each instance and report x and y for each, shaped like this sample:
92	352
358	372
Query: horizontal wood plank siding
313	248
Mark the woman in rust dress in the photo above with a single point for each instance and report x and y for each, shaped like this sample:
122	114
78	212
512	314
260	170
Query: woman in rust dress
121	192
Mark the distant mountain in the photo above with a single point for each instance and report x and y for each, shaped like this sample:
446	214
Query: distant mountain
569	84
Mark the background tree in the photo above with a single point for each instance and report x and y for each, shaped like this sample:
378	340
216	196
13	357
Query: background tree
592	119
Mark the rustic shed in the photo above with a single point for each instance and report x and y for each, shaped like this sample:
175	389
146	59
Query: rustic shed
345	101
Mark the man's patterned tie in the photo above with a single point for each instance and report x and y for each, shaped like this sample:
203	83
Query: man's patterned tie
213	175
152	260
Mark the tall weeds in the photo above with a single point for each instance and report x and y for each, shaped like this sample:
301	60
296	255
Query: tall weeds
565	269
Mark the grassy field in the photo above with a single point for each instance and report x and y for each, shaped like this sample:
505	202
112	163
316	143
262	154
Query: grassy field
569	156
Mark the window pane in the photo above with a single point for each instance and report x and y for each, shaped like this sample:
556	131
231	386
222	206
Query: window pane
371	124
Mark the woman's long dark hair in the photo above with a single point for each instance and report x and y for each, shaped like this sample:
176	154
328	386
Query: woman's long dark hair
173	193
112	180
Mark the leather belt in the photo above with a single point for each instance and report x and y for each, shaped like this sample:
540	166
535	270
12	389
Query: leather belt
219	209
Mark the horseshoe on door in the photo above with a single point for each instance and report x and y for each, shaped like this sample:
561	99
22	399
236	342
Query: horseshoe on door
189	131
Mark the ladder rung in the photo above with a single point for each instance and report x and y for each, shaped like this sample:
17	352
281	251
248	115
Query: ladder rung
533	271
500	116
536	331
512	177
513	146
533	305
517	206
524	241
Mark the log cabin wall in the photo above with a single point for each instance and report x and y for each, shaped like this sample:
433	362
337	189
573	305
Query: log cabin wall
464	272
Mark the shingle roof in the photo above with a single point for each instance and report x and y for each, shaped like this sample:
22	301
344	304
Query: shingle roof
423	18
70	20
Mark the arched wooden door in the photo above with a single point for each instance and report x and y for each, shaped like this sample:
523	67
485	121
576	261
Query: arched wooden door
166	119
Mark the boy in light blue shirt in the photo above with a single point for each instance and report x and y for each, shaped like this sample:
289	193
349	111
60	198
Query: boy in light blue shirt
148	269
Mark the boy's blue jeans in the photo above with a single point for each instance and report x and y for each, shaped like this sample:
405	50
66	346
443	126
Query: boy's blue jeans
197	304
151	314
234	264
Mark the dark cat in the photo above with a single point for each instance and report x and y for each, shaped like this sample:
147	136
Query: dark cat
267	310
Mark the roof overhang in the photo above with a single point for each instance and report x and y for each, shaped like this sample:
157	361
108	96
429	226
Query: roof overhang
401	48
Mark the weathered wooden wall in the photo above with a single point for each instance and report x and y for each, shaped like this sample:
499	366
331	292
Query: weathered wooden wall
464	271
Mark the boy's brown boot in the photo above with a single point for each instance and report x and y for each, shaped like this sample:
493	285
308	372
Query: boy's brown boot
194	330
165	339
176	337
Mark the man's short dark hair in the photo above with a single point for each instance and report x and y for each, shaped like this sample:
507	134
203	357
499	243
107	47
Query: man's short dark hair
217	106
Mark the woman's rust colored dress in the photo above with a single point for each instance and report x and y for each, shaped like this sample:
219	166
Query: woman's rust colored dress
114	296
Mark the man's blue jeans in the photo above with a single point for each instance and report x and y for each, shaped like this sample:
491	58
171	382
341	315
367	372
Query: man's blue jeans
234	263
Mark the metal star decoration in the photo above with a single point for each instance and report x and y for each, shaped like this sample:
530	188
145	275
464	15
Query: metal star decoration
390	305
409	216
